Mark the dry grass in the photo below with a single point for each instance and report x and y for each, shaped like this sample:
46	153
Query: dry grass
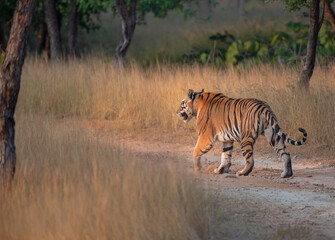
70	187
91	87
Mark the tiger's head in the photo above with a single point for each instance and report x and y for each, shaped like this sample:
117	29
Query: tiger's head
185	109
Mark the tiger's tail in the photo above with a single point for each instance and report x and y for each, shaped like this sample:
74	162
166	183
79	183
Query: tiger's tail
283	136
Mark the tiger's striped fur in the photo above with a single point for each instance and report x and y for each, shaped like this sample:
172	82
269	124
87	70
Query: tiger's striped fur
235	120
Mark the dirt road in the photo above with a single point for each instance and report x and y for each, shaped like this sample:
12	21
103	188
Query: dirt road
302	206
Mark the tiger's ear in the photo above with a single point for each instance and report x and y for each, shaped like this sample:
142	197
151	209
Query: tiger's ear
190	94
201	91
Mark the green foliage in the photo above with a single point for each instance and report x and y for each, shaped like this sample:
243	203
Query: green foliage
232	53
7	9
295	5
240	51
6	15
285	47
2	56
158	7
86	10
326	47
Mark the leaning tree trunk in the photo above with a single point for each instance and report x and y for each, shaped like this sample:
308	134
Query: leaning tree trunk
330	15
10	76
128	24
52	21
72	30
308	68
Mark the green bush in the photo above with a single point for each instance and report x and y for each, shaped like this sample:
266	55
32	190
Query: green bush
285	47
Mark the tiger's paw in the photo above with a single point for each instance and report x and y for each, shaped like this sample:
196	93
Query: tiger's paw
225	170
221	170
286	174
241	173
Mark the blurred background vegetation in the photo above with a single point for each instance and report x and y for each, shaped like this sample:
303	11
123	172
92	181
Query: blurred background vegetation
207	32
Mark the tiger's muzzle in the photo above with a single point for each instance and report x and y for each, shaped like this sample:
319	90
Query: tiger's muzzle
184	116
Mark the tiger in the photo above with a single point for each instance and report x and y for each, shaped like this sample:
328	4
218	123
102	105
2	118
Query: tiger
229	120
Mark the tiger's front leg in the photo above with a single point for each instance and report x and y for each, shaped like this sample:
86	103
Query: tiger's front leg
204	144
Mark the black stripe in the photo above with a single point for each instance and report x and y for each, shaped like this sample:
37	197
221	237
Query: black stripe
227	149
246	143
228	118
246	152
207	97
283	136
249	155
278	150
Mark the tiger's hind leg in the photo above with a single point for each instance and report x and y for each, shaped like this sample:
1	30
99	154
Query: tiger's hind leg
203	146
247	147
227	150
279	147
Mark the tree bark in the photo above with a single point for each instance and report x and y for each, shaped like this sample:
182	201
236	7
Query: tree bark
308	68
10	77
72	30
53	24
128	24
330	15
43	40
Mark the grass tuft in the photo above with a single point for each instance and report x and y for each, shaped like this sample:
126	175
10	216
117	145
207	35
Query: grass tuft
71	187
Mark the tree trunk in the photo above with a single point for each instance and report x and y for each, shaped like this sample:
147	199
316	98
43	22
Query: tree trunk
10	76
128	24
43	40
53	24
72	29
308	68
330	15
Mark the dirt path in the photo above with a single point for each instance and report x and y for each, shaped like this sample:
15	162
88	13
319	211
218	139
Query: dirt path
304	202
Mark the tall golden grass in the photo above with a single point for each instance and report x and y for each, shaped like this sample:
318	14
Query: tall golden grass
91	87
68	186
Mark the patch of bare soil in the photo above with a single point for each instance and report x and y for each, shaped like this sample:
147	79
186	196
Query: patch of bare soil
259	206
